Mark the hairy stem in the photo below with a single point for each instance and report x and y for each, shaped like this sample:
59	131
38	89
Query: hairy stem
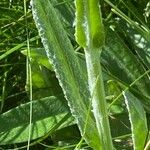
96	88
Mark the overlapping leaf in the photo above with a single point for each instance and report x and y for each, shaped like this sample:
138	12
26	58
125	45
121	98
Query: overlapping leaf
47	113
61	53
121	62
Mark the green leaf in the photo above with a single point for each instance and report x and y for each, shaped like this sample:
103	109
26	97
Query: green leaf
137	117
87	26
66	66
46	114
43	81
38	129
123	64
140	44
39	56
41	109
4	55
91	36
80	23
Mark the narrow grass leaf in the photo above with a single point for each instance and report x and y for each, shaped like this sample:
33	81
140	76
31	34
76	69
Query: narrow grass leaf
10	51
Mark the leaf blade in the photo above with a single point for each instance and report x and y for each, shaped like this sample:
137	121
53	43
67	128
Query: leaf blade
137	119
61	53
47	113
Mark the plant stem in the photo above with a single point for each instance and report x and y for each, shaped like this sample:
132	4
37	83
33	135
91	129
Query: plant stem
97	92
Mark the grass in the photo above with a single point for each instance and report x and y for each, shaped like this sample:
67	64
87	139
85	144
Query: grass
50	96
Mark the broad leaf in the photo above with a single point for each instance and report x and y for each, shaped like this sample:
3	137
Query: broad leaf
46	114
61	53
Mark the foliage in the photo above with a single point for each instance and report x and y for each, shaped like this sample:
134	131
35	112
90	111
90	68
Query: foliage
31	98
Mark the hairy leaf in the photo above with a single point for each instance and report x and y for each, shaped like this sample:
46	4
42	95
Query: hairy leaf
137	117
61	53
46	114
89	27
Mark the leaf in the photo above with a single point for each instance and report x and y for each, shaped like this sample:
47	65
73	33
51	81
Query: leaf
41	109
87	26
66	66
43	81
122	64
91	36
138	14
120	125
142	46
136	28
39	56
38	129
46	114
4	55
137	117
